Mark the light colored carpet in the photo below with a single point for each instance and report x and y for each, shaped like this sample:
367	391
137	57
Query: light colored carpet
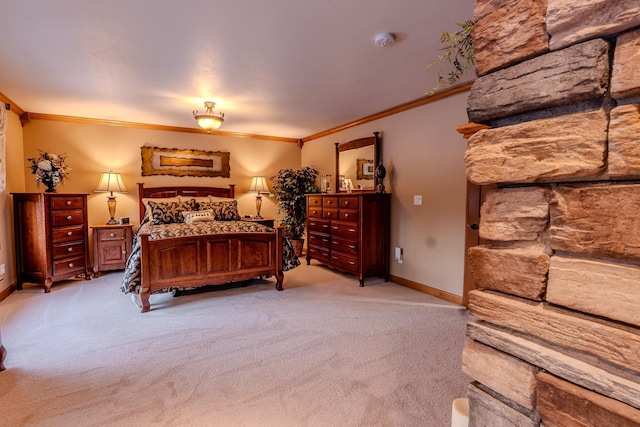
324	352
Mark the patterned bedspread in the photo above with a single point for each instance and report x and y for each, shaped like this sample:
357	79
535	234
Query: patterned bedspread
131	281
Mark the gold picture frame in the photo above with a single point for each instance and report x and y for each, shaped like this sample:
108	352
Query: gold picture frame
175	162
365	169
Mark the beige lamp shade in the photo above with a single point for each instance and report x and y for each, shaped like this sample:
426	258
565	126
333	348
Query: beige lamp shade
258	186
110	182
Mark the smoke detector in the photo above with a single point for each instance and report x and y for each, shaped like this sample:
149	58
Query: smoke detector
385	39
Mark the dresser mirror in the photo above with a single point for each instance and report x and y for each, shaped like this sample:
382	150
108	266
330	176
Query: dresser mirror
356	162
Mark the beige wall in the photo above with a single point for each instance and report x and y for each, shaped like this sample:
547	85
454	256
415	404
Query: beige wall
92	149
15	183
422	152
423	155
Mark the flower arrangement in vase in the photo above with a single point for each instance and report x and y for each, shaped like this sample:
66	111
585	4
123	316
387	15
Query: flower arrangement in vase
50	169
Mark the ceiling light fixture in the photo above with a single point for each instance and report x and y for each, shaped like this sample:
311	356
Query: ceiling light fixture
385	39
209	120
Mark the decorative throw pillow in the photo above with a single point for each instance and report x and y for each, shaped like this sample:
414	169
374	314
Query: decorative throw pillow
197	216
223	211
168	213
147	209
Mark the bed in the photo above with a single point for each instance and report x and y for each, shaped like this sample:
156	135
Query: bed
176	248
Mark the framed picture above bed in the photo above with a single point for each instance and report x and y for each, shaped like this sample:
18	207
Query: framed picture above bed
175	162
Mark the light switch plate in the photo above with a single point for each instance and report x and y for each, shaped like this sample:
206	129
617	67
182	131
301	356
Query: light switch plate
417	200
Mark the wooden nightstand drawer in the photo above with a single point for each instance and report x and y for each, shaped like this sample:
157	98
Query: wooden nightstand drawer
112	234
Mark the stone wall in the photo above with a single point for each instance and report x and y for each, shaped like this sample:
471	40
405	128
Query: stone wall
555	339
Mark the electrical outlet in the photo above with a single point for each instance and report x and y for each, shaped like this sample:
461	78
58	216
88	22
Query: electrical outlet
3	269
398	255
417	200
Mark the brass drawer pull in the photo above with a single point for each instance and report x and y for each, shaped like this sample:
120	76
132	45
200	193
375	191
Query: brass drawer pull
352	246
69	217
69	233
70	249
70	265
68	202
112	235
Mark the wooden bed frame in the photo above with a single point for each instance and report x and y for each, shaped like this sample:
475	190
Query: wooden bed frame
193	261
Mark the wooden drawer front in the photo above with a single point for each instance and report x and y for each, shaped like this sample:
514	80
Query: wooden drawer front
111	234
344	245
345	229
65	234
319	225
319	239
68	265
343	261
348	215
67	217
67	202
315	201
348	202
330	202
68	249
321	254
315	212
329	213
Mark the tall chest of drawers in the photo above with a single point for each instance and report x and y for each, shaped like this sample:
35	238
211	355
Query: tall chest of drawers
51	237
350	232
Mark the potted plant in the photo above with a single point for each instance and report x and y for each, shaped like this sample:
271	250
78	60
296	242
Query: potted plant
290	186
459	52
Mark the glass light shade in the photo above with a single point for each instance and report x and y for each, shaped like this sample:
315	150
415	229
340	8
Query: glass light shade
110	182
209	120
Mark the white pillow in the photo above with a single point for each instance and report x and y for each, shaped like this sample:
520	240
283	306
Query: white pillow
197	216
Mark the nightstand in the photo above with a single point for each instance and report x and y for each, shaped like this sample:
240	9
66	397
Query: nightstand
263	221
111	246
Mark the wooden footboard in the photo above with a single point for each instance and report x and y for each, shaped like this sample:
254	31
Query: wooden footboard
193	261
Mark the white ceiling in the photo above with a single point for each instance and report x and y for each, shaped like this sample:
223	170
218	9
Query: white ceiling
288	68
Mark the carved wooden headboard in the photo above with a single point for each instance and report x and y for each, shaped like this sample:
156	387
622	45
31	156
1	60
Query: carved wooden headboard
188	191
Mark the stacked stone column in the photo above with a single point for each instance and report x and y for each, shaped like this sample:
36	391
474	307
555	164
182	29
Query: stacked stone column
556	335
